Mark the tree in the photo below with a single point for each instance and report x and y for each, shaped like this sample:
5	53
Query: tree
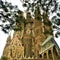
8	15
4	58
9	12
49	6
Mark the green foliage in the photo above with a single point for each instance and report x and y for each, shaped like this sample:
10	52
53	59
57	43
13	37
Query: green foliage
43	4
47	23
19	20
4	58
48	32
24	5
35	7
7	15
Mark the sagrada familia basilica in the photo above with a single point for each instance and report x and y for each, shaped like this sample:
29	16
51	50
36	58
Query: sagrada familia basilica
34	40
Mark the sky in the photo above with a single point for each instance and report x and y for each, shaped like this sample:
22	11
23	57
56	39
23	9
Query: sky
3	37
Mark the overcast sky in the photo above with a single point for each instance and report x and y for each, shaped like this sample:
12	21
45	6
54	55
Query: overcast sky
3	36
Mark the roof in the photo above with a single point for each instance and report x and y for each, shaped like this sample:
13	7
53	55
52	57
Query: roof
53	42
47	48
48	39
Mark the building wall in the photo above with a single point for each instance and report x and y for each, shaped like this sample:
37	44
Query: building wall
29	44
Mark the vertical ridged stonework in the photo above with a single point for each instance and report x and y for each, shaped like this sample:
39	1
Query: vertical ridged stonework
14	50
26	43
28	36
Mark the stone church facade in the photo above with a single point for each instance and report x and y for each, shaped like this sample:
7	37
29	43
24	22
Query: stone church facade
33	41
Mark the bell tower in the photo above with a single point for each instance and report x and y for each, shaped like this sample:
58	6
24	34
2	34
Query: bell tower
27	37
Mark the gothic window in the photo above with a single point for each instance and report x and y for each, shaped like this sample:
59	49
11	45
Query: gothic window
28	31
45	55
13	48
10	52
11	43
37	31
55	51
19	44
50	54
40	56
33	32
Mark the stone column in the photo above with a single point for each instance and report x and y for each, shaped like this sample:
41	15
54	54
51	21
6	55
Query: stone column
42	55
47	55
57	51
52	53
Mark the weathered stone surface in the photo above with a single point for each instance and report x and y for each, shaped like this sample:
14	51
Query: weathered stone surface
27	43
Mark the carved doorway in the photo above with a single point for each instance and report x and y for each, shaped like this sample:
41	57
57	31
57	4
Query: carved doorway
45	56
50	55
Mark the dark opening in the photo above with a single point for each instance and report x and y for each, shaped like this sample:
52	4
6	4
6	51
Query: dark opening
49	51
50	54
45	55
54	51
40	56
